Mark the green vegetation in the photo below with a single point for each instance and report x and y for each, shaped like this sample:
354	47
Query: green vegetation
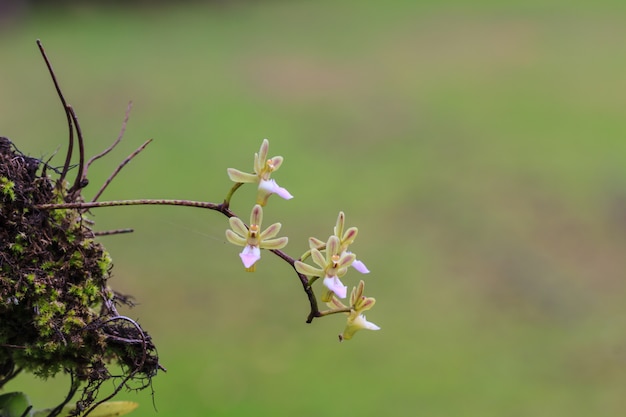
480	151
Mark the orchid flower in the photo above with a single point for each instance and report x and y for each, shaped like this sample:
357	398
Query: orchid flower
332	266
345	239
252	239
263	168
356	320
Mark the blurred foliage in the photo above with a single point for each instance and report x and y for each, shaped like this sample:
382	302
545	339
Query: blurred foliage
479	148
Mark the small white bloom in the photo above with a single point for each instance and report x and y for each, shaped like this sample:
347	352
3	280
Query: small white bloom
249	255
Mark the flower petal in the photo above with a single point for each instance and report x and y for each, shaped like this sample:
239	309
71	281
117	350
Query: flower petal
346	260
341	219
256	216
235	239
271	231
332	248
315	243
318	258
357	293
240	176
360	266
265	146
365	304
238	226
336	286
258	165
271	187
356	324
349	236
275	162
249	255
307	269
277	243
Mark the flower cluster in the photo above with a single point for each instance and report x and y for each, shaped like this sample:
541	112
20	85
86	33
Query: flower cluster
331	257
333	260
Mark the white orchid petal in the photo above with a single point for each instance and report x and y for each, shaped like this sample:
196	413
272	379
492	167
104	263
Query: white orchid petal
358	323
368	325
249	255
271	187
360	266
336	286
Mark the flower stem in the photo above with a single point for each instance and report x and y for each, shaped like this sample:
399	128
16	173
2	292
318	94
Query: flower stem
329	312
230	193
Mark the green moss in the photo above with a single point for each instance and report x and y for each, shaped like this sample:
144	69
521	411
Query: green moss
7	188
48	265
40	288
105	263
71	323
19	244
16	247
76	260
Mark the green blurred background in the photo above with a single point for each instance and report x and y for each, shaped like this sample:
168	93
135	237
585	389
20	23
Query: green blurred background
480	148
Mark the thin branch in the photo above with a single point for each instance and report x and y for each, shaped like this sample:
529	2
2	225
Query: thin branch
81	176
119	168
27	412
70	147
74	385
140	202
119	137
112	232
306	284
13	372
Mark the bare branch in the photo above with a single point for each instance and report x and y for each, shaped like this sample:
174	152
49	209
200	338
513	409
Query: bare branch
81	176
70	147
140	202
306	284
119	137
112	232
74	385
119	168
